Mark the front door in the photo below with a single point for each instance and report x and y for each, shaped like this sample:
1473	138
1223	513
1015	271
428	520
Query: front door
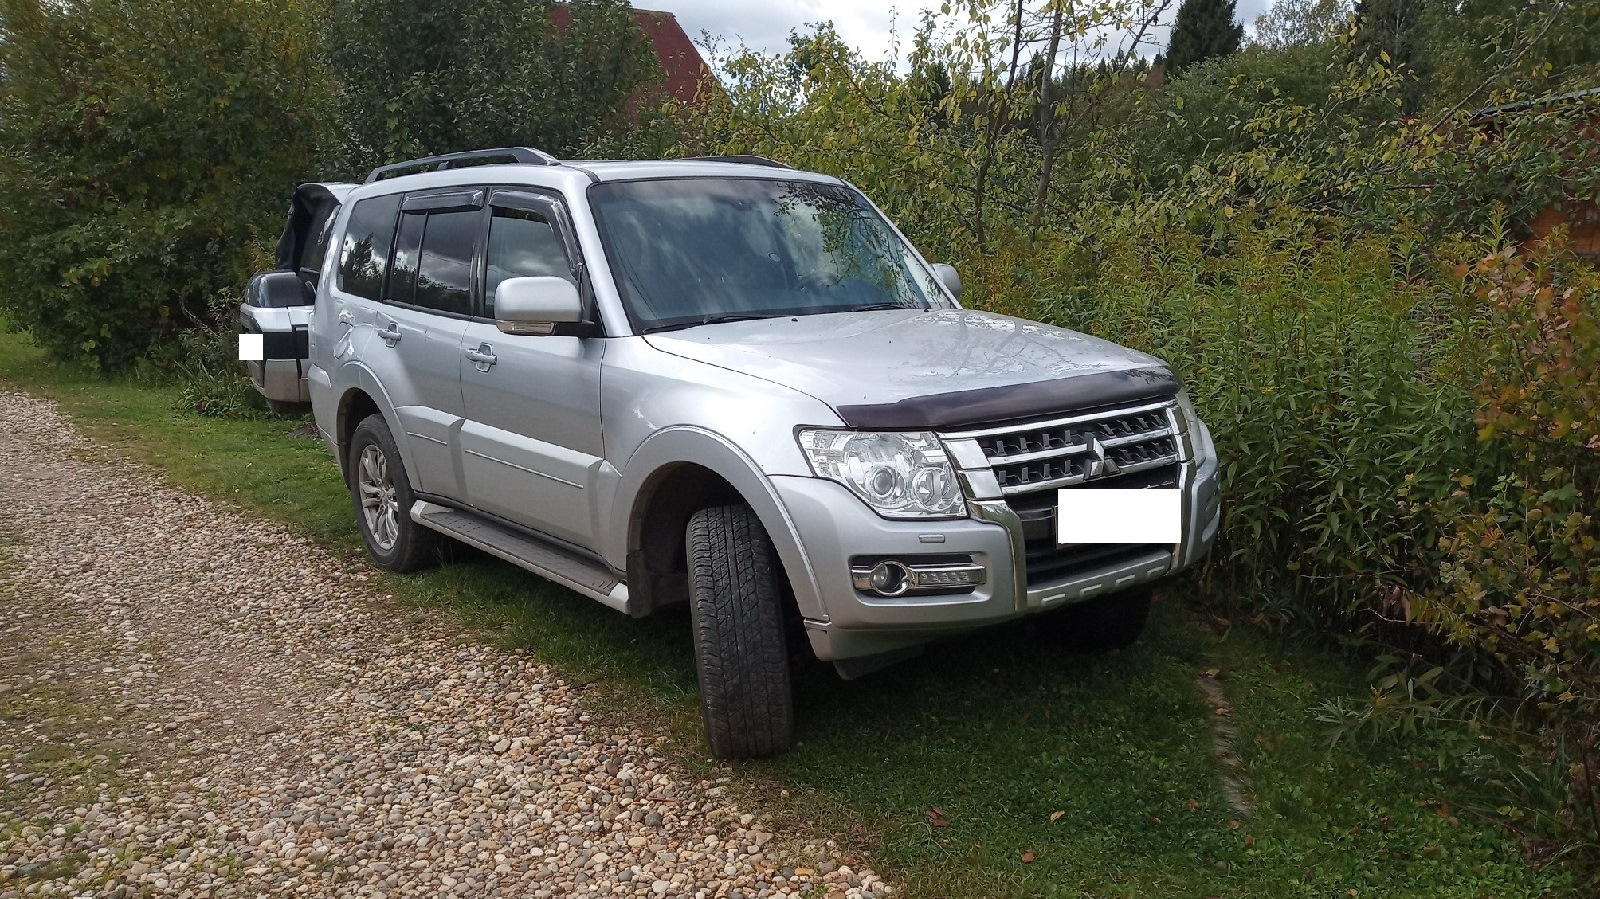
531	443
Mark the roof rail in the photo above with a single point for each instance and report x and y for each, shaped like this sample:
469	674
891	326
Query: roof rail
523	155
741	160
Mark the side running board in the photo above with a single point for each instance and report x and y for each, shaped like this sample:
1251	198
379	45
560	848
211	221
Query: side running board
572	571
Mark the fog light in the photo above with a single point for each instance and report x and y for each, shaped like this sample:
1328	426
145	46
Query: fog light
889	579
892	578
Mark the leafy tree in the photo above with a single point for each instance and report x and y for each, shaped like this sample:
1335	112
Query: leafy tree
1390	33
432	76
1492	51
147	147
1202	113
1203	29
1295	23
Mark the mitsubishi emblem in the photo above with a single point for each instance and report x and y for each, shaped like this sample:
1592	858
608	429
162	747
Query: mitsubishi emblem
1101	466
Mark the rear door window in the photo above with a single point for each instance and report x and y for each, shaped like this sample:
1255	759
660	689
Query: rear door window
444	265
368	238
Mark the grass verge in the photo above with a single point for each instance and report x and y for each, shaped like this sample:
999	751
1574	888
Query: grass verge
999	732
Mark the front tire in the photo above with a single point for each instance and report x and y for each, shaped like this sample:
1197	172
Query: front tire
736	608
381	493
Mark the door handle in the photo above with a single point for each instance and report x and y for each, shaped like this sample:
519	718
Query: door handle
346	316
484	356
390	333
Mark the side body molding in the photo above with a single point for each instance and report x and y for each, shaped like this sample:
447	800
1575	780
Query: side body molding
712	451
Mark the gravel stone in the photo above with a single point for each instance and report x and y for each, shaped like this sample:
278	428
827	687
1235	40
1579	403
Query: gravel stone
202	704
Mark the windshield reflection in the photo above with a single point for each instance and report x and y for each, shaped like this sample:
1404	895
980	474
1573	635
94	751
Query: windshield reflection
690	251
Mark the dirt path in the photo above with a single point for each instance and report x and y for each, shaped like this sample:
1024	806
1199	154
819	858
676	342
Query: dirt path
196	704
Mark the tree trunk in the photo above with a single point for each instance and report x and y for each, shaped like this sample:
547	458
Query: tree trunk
1047	115
992	133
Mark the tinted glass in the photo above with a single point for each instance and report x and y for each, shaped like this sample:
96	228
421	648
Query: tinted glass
403	270
364	255
444	268
692	250
522	245
318	232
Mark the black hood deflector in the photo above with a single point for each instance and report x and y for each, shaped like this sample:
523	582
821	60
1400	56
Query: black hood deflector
993	405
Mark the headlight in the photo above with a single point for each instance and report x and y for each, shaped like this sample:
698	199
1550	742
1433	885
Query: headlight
899	475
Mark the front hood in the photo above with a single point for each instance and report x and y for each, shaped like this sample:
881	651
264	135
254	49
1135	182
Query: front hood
927	368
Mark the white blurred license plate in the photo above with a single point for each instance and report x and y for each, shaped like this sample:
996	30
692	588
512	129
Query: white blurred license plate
1119	516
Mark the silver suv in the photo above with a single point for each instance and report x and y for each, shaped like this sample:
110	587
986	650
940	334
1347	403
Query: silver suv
725	382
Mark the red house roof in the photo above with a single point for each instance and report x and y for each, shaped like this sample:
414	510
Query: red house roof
686	75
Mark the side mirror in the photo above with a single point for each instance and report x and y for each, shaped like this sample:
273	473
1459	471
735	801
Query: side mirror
949	278
535	305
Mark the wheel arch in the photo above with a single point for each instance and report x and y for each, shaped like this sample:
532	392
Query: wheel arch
661	489
361	397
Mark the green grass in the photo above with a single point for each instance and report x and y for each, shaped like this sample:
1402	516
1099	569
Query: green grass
997	730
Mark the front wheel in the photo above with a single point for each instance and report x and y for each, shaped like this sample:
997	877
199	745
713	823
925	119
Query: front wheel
382	496
736	608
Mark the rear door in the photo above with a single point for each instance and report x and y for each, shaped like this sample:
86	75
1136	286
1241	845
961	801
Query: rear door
410	337
531	443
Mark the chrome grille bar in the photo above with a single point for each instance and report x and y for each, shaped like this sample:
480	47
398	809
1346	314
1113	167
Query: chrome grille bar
1072	450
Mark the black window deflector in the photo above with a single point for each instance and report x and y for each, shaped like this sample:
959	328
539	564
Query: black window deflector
454	201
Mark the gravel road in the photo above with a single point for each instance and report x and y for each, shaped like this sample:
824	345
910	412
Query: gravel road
194	703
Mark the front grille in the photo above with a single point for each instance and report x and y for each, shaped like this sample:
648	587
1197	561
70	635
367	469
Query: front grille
1091	447
1130	448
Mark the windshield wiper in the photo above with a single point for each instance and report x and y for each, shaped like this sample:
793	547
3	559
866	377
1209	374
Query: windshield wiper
720	319
879	307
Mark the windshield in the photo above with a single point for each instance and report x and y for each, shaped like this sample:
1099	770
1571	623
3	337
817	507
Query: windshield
688	251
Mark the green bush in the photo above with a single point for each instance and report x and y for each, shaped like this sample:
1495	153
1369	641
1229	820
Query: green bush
147	148
1317	367
1521	583
203	362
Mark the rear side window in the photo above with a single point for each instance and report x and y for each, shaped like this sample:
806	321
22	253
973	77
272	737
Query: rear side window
403	271
444	267
317	249
364	255
522	244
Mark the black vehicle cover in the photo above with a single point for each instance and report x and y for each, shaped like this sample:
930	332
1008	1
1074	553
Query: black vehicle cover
314	202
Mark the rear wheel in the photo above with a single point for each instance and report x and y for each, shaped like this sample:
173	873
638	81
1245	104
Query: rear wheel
382	496
737	611
1104	623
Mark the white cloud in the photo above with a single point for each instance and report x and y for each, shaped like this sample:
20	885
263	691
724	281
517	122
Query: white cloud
765	26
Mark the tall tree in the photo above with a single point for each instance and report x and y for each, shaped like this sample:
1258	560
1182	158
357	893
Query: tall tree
1483	51
1295	23
147	148
431	76
1204	29
1390	33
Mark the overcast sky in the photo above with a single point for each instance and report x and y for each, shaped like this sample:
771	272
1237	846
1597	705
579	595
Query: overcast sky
865	24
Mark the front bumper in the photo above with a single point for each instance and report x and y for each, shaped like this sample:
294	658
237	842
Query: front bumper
836	527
